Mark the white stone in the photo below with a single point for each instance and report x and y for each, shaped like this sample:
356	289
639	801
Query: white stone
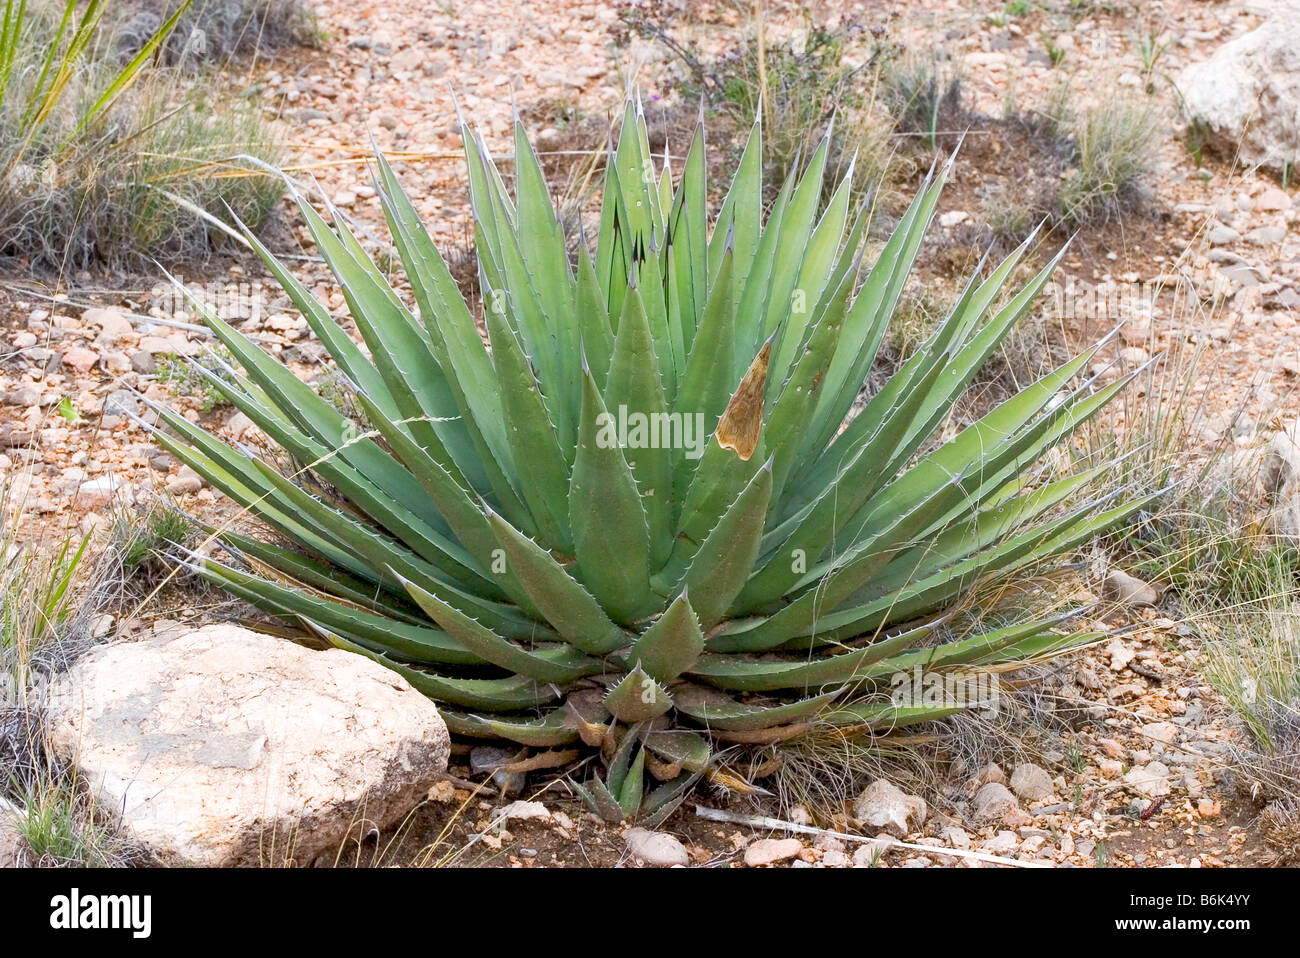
223	746
656	848
1150	781
526	812
1125	589
885	807
13	847
1247	95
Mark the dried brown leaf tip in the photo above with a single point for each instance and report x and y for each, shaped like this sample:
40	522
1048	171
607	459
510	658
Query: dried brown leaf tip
741	423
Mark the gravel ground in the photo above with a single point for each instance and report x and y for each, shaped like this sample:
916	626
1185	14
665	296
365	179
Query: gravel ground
1140	778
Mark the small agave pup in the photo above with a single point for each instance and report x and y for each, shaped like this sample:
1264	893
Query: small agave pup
484	537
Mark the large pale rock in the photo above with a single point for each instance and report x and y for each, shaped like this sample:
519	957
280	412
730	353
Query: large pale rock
884	806
223	746
1247	95
1279	474
13	846
1281	462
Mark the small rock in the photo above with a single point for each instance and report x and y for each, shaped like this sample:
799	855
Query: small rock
1223	236
113	326
770	851
1003	843
122	402
885	807
1281	463
953	218
1121	654
186	482
993	802
1162	732
1031	783
657	849
526	812
1266	235
991	772
868	854
955	837
94	493
81	359
1149	781
22	396
1273	200
836	859
1121	587
143	362
1112	747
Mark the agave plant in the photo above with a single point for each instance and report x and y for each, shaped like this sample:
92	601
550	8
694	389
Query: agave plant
642	511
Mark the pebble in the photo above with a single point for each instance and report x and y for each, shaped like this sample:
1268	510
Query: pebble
81	359
771	851
883	806
993	802
657	849
1031	783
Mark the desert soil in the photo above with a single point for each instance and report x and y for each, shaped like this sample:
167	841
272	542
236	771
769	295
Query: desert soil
390	74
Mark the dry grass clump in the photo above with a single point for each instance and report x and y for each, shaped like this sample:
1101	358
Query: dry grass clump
819	77
216	31
1092	168
103	163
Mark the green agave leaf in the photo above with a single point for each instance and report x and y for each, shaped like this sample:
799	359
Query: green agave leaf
629	798
609	522
533	438
635	395
726	557
670	646
681	747
546	732
600	800
637	697
412	642
562	601
740	673
510	694
719	711
559	664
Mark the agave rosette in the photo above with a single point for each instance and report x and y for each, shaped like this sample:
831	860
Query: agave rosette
643	511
